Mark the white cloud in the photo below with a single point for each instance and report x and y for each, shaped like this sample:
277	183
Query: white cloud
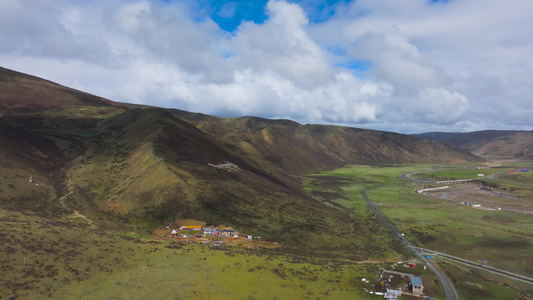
454	66
441	107
130	15
282	45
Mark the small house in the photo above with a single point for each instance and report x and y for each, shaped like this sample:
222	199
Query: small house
416	285
174	233
190	227
211	231
228	231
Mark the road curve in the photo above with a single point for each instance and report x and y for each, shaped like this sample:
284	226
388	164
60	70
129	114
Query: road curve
449	290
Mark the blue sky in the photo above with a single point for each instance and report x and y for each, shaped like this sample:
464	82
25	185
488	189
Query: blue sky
229	14
407	66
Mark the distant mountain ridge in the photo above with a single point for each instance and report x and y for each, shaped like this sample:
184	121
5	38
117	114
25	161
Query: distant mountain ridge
488	143
114	163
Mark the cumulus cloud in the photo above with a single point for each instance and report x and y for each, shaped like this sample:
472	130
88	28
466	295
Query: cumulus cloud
396	60
282	45
406	66
441	107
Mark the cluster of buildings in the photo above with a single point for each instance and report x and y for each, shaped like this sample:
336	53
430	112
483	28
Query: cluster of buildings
199	231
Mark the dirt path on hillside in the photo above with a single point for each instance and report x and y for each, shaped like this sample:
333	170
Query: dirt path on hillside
75	213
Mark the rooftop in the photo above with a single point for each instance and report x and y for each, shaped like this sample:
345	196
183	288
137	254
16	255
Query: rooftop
416	280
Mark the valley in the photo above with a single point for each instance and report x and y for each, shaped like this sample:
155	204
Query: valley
91	191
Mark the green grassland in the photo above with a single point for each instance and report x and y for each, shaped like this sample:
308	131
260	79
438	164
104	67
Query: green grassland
505	239
201	272
469	172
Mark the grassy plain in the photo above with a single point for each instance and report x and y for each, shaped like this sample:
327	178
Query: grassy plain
201	272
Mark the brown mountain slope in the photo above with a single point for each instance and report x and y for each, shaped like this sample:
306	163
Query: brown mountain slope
490	143
25	92
111	164
298	149
43	126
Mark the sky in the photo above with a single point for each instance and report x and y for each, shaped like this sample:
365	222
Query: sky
407	66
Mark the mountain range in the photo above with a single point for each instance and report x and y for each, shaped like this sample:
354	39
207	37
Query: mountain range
66	154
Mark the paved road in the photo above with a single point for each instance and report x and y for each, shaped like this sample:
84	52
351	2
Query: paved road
407	176
475	264
449	290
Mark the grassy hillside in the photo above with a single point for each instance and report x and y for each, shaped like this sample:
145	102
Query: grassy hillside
165	174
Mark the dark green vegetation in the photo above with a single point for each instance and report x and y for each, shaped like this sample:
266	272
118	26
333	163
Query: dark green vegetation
489	143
